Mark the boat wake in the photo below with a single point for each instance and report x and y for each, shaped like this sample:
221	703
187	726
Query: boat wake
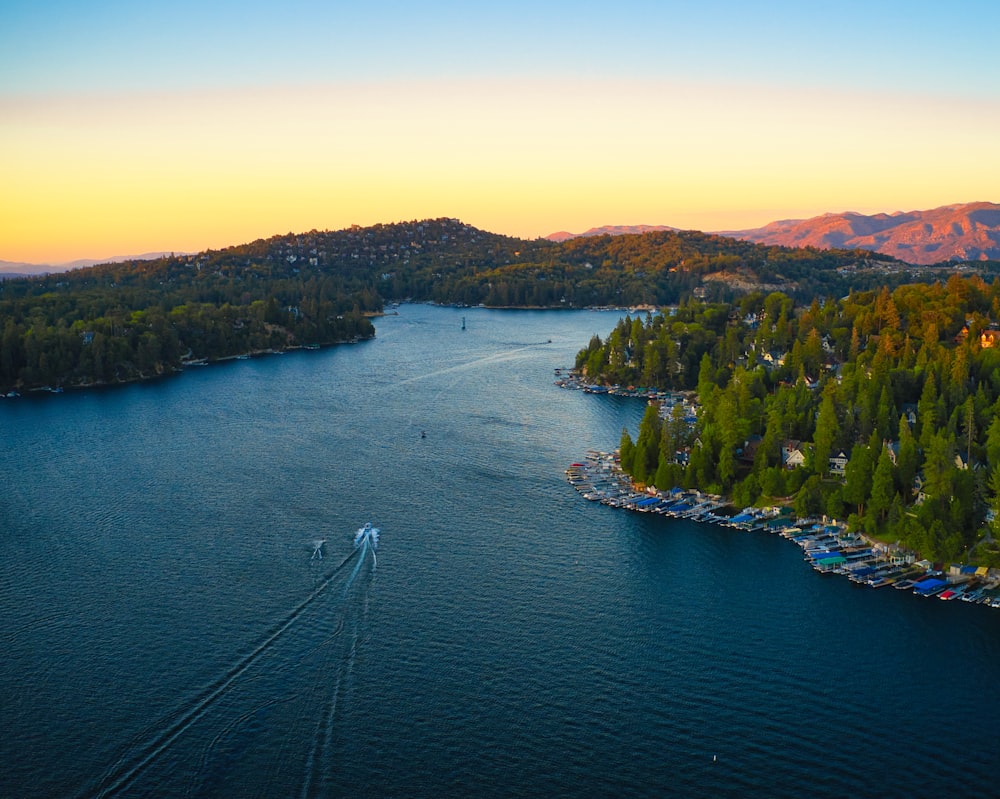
224	705
321	767
457	370
366	539
503	355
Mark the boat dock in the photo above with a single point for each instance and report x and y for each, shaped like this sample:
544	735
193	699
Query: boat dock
600	479
827	546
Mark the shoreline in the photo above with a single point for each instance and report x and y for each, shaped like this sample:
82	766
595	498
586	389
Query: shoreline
827	545
18	392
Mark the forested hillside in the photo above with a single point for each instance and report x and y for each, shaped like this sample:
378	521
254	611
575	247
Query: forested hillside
137	319
882	407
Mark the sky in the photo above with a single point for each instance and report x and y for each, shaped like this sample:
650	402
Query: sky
128	127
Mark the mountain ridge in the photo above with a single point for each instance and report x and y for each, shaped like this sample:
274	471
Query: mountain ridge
609	230
25	269
951	233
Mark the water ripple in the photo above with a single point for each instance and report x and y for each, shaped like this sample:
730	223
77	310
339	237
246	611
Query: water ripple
514	639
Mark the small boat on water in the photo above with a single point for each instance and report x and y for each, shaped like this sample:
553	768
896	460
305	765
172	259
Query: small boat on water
365	538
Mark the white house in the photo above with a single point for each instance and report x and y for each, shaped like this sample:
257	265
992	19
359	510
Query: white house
838	463
792	454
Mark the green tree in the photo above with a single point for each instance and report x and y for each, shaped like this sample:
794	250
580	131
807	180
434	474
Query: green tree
883	487
939	468
827	426
993	443
732	432
858	476
906	461
626	451
809	499
647	446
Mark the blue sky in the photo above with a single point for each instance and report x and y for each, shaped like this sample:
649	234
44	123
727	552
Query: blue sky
95	46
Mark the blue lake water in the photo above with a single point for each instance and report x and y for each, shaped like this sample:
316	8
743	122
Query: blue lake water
166	630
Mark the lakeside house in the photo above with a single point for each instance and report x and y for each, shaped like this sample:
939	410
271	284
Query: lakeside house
792	454
838	462
893	448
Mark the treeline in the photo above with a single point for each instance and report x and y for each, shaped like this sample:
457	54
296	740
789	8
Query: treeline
882	408
136	319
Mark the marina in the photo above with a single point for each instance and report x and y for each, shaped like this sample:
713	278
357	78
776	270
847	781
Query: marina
827	545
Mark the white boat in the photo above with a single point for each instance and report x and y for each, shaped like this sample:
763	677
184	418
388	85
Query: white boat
367	537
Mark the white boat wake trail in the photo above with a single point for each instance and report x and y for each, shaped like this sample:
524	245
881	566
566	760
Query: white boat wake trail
320	769
504	355
143	752
461	367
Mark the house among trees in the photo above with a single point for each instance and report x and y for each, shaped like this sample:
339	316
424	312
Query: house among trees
748	452
902	423
893	449
792	454
838	463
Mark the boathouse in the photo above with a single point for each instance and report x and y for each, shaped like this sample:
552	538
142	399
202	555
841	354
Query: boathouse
929	586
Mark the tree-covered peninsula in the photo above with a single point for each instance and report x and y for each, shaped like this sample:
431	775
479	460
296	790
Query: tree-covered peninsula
882	407
137	319
131	321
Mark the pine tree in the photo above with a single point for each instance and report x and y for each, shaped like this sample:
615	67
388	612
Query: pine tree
883	487
647	446
626	451
993	444
906	460
826	432
858	477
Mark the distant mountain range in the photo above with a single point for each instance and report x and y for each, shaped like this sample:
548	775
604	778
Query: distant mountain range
18	269
967	232
10	269
608	230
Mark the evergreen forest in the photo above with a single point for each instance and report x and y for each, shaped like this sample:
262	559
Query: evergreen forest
881	408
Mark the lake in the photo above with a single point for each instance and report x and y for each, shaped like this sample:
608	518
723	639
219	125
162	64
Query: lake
173	625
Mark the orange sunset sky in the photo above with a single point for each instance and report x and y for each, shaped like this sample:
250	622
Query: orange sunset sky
179	127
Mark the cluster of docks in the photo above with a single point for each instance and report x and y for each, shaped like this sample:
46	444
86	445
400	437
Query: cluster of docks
831	549
600	479
827	545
